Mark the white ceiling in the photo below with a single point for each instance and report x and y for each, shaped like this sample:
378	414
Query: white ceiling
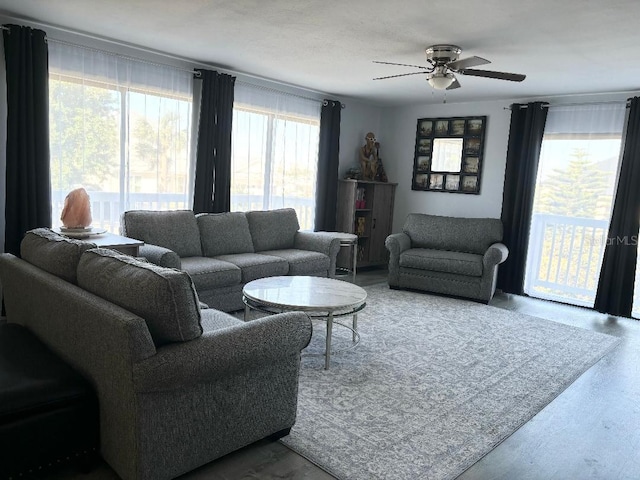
563	46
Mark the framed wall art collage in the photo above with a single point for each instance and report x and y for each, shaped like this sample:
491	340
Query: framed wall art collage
448	154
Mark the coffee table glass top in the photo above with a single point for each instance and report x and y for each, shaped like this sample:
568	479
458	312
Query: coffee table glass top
305	293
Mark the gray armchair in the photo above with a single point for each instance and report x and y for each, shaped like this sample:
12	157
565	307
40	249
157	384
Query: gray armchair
453	256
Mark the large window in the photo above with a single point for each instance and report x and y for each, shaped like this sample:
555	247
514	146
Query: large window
121	129
274	152
573	199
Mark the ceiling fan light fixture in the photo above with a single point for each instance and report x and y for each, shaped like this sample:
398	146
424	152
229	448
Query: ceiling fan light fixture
440	81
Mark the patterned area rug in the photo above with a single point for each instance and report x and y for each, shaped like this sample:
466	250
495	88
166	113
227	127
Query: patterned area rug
434	385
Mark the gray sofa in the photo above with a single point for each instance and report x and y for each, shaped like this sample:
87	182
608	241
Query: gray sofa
222	252
177	386
453	256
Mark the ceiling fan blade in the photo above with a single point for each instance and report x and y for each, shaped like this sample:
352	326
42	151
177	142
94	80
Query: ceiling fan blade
513	77
467	62
455	84
402	64
401	75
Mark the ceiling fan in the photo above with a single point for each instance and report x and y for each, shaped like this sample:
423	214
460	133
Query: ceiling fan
443	63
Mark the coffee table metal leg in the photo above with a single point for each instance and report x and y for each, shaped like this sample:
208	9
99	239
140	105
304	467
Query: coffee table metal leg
327	353
246	312
355	259
355	327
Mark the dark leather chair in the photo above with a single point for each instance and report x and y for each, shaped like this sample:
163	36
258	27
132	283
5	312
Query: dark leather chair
48	412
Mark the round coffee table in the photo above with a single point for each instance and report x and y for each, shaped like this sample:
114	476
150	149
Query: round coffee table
319	297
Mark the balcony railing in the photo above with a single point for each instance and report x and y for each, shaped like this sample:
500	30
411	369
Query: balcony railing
564	259
106	206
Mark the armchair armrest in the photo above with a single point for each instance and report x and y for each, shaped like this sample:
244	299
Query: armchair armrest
224	352
397	243
160	256
495	255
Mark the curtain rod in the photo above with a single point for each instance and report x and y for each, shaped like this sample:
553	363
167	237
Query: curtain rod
626	102
612	102
155	52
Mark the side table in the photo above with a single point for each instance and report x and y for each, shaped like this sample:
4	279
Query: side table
349	240
126	245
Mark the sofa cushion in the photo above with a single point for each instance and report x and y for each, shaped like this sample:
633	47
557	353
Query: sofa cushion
442	261
176	230
471	235
164	297
209	273
273	229
215	320
224	233
256	265
302	262
53	253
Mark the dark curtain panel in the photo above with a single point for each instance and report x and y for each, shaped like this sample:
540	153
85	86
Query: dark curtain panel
523	153
28	189
212	190
328	158
617	275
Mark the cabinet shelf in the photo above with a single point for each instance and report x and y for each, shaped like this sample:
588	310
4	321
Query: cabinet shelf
378	218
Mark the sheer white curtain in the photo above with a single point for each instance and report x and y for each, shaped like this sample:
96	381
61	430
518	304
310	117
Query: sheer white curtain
120	128
274	157
576	181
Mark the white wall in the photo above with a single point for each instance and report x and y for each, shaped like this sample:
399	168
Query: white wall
399	129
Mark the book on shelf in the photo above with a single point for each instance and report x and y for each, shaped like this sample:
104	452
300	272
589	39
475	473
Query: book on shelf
360	201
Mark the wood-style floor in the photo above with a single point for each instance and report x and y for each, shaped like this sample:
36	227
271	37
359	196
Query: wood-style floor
590	431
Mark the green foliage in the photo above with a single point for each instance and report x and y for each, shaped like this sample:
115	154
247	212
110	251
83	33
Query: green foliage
580	190
160	152
84	130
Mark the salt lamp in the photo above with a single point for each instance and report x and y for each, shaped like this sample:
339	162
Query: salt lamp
77	209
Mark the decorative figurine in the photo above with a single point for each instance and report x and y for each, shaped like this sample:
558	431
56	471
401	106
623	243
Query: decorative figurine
369	157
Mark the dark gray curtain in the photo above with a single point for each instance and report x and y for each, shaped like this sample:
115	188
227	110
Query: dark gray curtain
328	159
523	153
617	275
212	190
28	189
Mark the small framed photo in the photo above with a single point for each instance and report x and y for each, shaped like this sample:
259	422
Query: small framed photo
457	127
426	128
424	164
436	181
424	145
471	165
471	146
474	126
442	127
452	183
421	181
469	183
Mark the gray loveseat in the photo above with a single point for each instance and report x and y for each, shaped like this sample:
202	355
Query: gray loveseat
222	252
177	386
448	255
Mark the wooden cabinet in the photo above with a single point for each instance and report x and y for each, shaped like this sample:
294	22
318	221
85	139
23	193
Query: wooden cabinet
366	209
